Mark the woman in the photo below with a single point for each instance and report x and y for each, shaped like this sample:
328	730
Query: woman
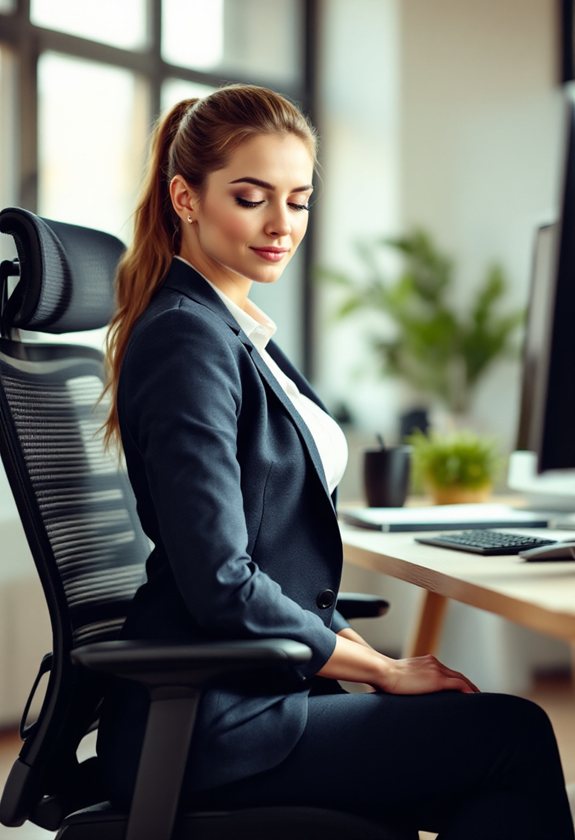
234	463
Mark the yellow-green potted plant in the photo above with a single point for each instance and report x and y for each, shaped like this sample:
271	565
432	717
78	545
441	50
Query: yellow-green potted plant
454	468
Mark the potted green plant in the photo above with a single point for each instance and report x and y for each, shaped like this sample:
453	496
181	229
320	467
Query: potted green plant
425	340
457	467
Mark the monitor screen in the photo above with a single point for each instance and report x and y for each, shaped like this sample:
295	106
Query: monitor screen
547	412
538	314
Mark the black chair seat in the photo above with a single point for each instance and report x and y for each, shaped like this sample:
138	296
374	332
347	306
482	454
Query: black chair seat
281	823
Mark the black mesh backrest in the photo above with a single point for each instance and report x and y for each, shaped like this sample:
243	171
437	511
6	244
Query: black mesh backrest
74	500
77	502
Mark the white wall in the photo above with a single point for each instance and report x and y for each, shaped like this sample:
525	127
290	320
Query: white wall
445	115
481	128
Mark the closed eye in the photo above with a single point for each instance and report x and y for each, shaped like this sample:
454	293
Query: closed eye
243	202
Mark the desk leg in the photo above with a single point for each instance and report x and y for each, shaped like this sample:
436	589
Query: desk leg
425	638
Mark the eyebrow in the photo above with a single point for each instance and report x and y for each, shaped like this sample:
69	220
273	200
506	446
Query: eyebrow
264	184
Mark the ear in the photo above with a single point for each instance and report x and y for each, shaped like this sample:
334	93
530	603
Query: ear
184	198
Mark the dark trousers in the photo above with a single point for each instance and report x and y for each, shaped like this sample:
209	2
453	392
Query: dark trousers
469	766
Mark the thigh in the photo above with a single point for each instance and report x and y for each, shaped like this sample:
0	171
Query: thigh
430	756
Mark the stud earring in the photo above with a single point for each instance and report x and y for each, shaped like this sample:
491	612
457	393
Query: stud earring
190	220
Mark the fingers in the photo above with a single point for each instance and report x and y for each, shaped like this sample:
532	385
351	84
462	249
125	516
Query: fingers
455	678
425	674
462	684
459	681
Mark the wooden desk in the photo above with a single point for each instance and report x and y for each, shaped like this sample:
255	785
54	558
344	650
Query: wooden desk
538	595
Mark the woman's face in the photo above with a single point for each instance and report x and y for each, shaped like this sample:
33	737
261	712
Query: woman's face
251	215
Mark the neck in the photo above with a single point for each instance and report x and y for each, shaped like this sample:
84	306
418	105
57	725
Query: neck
233	285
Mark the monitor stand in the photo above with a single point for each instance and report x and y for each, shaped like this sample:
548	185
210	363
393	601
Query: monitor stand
553	490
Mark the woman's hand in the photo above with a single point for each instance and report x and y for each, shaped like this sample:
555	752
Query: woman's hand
355	661
422	675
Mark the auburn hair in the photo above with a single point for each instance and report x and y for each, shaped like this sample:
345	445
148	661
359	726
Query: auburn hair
196	137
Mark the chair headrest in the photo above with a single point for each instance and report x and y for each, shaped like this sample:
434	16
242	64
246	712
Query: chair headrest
66	274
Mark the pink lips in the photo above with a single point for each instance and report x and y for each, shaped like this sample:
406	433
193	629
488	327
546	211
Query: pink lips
271	254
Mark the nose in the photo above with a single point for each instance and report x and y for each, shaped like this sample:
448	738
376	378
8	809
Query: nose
278	223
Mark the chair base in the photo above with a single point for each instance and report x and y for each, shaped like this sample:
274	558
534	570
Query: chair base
281	823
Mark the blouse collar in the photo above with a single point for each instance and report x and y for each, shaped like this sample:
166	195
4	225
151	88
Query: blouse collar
258	327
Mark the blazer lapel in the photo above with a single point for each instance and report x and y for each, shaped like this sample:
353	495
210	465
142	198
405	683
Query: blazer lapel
295	416
186	280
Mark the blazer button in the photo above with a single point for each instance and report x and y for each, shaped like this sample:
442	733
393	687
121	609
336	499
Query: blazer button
325	599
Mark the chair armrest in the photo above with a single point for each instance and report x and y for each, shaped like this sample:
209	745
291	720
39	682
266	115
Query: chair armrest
165	662
175	673
358	605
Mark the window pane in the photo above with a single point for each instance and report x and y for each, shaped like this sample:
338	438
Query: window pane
193	33
174	90
236	39
122	24
93	126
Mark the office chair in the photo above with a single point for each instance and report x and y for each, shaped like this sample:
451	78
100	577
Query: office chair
80	520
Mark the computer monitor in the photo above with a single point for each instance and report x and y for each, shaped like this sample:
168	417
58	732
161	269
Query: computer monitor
543	466
553	422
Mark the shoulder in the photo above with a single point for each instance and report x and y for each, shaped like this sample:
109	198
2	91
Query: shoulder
180	356
175	324
182	350
172	309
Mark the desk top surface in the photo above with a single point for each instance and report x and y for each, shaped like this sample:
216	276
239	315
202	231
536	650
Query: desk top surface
538	595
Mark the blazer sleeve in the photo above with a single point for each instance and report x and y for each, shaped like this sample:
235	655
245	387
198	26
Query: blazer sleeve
180	396
338	622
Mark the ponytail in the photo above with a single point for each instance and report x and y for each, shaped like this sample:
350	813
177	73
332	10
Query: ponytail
144	264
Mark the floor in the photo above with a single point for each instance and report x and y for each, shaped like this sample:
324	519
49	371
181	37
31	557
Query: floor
555	694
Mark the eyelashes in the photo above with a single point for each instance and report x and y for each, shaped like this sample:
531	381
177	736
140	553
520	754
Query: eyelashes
244	202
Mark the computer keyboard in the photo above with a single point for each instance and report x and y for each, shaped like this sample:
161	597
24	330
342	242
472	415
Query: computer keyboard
485	541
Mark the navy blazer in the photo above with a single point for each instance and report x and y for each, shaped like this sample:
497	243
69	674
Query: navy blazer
231	491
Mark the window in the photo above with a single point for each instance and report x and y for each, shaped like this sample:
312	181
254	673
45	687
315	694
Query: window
242	38
92	121
182	21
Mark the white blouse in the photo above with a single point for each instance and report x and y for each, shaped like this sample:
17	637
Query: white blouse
328	437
